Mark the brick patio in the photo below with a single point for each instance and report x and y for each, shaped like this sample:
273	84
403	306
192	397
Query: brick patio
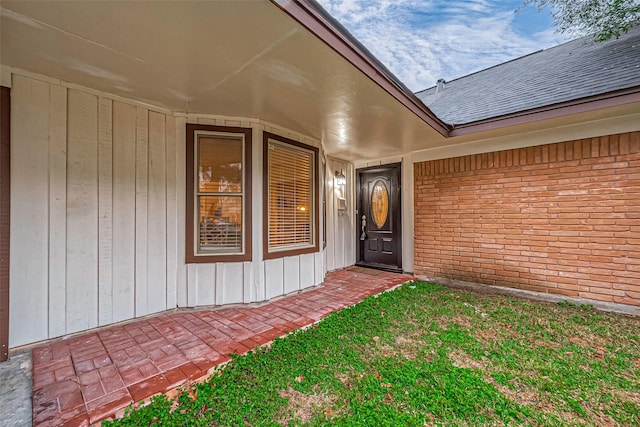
83	380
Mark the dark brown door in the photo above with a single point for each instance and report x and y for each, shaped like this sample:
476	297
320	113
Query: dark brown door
379	217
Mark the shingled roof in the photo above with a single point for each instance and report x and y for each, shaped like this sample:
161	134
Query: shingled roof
577	69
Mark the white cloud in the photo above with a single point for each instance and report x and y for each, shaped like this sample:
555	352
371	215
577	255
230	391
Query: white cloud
421	41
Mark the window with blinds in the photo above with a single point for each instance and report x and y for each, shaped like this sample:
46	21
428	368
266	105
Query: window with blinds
291	195
219	193
219	159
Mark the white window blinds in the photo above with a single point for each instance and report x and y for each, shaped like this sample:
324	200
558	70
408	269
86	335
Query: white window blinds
290	196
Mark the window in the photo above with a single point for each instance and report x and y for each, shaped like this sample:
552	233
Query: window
218	194
290	197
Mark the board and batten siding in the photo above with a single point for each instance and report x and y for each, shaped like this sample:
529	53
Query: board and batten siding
98	215
92	211
341	231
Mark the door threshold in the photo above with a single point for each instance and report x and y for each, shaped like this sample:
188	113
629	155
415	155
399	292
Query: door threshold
380	267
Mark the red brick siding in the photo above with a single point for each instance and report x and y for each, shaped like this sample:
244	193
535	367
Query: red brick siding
561	218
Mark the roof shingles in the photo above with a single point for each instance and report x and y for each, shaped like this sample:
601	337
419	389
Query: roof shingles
577	69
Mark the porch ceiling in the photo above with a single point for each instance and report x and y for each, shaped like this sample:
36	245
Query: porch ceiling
233	58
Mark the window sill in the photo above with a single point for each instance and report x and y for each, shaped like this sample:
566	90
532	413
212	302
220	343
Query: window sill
211	259
292	252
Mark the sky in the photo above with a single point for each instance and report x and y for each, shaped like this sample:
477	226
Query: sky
421	41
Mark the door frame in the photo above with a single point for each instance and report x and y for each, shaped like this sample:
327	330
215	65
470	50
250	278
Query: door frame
397	235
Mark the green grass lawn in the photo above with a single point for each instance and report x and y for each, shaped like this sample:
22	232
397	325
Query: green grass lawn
427	355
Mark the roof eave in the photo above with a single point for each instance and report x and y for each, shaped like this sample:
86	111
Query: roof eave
576	106
318	22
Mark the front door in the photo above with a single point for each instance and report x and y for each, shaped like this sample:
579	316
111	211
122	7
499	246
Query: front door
379	217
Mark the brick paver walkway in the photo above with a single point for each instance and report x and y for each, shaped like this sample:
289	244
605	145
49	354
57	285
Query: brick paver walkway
83	380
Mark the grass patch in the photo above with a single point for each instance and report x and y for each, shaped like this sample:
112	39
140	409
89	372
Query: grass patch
426	355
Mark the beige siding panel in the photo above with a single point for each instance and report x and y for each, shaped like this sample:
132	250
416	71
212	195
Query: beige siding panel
343	238
57	211
142	187
29	212
337	224
260	281
192	288
340	223
172	214
339	239
291	274
407	213
206	283
219	283
248	293
105	212
273	277
230	289
319	267
307	270
206	121
331	241
82	211
350	218
157	216
124	210
258	284
181	267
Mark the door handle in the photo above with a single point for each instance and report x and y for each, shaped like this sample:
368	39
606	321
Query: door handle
363	236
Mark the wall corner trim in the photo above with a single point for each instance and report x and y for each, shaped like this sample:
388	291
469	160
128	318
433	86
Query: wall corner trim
5	200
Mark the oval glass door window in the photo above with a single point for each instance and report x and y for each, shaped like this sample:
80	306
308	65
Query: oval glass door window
379	203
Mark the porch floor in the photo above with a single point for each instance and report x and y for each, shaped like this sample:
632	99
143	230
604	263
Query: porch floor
89	378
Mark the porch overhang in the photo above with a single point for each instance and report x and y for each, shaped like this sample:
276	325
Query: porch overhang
233	58
282	61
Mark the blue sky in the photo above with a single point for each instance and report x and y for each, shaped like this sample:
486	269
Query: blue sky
421	41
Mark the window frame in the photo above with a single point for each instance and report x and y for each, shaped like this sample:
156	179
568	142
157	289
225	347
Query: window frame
269	253
191	251
323	192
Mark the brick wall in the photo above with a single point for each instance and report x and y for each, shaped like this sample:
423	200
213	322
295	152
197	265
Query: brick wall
560	218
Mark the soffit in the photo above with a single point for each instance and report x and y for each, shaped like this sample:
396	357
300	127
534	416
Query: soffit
240	58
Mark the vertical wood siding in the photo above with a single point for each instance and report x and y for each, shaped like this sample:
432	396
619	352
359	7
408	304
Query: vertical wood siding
105	211
141	211
31	104
172	214
157	216
98	197
82	211
124	210
95	202
341	234
57	209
